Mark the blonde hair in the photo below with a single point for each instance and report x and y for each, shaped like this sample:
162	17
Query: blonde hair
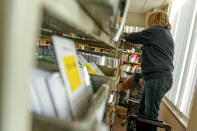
158	18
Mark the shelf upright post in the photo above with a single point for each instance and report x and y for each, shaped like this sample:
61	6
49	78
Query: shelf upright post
18	29
116	49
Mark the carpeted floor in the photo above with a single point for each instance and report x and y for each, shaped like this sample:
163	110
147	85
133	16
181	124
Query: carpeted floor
117	122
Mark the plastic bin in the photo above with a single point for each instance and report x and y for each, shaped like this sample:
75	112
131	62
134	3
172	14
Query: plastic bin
111	78
89	122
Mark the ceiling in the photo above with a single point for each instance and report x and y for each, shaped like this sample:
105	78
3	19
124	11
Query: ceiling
143	6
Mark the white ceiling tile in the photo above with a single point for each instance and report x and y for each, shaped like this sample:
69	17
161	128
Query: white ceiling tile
143	6
136	5
135	10
150	4
146	10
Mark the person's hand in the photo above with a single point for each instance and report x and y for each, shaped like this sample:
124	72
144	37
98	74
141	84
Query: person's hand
120	87
138	70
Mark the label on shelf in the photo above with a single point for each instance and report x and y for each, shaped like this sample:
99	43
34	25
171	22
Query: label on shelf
90	70
72	72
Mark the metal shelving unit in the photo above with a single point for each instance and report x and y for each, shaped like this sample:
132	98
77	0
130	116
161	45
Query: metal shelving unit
87	123
94	43
20	25
59	17
132	63
80	23
87	40
138	54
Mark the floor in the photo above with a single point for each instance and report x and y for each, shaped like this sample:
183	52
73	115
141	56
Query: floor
117	122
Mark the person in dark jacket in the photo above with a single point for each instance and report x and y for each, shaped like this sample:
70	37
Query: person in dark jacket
157	63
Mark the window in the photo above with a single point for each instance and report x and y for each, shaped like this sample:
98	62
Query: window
184	30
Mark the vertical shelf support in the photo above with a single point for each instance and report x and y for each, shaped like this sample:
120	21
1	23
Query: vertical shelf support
19	22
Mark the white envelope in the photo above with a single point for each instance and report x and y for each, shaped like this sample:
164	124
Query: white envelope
78	94
40	97
58	94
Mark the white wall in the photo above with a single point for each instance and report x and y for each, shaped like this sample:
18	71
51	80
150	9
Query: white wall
134	19
192	126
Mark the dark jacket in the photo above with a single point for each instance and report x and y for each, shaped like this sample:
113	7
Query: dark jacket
157	51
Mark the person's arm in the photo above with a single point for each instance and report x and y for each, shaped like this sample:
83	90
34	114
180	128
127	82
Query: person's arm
142	37
142	83
126	84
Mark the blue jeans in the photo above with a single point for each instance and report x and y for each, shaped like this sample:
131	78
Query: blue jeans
154	91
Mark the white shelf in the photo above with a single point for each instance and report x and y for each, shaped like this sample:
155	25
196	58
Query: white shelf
92	42
20	26
69	15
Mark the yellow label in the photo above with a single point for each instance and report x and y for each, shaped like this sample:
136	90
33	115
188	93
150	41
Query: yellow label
72	72
90	70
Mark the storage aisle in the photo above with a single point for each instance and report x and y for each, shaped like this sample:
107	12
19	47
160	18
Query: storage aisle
61	63
117	121
67	86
